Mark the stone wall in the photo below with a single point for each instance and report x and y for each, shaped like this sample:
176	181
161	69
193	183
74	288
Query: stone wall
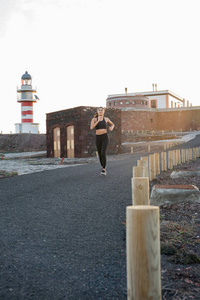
183	118
139	120
176	119
84	138
24	142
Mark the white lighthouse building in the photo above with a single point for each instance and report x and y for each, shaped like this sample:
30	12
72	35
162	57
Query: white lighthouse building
25	96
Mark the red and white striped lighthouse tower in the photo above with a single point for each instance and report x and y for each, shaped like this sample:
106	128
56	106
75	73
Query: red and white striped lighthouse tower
26	97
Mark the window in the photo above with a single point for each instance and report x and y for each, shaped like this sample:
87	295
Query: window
120	102
110	104
127	102
115	103
133	102
153	103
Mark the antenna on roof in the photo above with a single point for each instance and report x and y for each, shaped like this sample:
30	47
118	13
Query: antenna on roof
126	90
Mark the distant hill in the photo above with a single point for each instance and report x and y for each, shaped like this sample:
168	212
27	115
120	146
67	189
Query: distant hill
25	142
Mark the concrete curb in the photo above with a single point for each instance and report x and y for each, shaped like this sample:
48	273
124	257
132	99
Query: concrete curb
170	194
181	174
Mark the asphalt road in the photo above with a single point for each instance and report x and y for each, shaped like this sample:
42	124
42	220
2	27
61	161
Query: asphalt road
61	232
62	235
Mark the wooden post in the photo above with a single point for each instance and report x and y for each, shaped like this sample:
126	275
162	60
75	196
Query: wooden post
164	161
138	171
197	152
131	149
151	167
143	253
140	191
178	156
194	153
145	164
170	160
187	155
191	154
157	163
149	148
175	158
165	146
183	155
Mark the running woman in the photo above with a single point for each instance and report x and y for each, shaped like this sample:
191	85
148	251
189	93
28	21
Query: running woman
99	122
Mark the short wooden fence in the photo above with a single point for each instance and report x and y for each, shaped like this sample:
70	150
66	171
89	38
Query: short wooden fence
143	224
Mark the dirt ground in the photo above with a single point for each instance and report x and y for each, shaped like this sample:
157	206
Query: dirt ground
180	240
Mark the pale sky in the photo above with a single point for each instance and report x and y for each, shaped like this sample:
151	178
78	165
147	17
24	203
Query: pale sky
80	51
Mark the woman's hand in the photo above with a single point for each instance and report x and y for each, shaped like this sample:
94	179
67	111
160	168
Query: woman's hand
110	128
94	123
112	125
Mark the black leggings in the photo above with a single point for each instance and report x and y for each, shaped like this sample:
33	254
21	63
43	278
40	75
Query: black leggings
102	143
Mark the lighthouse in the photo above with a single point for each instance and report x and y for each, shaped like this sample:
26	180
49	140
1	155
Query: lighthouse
25	96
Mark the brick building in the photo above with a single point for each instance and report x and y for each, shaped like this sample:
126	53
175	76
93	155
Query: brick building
69	134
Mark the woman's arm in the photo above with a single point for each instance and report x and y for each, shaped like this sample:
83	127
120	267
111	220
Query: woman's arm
112	125
94	123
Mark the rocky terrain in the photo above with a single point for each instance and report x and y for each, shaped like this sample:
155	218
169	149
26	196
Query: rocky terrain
180	240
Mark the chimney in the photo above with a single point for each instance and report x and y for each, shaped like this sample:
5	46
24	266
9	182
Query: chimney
126	90
153	86
156	87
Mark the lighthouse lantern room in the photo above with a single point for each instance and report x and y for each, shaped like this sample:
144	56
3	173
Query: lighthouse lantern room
25	96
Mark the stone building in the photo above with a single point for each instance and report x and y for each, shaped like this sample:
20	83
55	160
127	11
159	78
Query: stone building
69	134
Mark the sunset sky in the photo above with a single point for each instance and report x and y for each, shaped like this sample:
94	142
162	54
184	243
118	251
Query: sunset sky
80	51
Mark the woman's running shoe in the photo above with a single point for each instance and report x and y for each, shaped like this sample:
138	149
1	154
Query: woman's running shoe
103	172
